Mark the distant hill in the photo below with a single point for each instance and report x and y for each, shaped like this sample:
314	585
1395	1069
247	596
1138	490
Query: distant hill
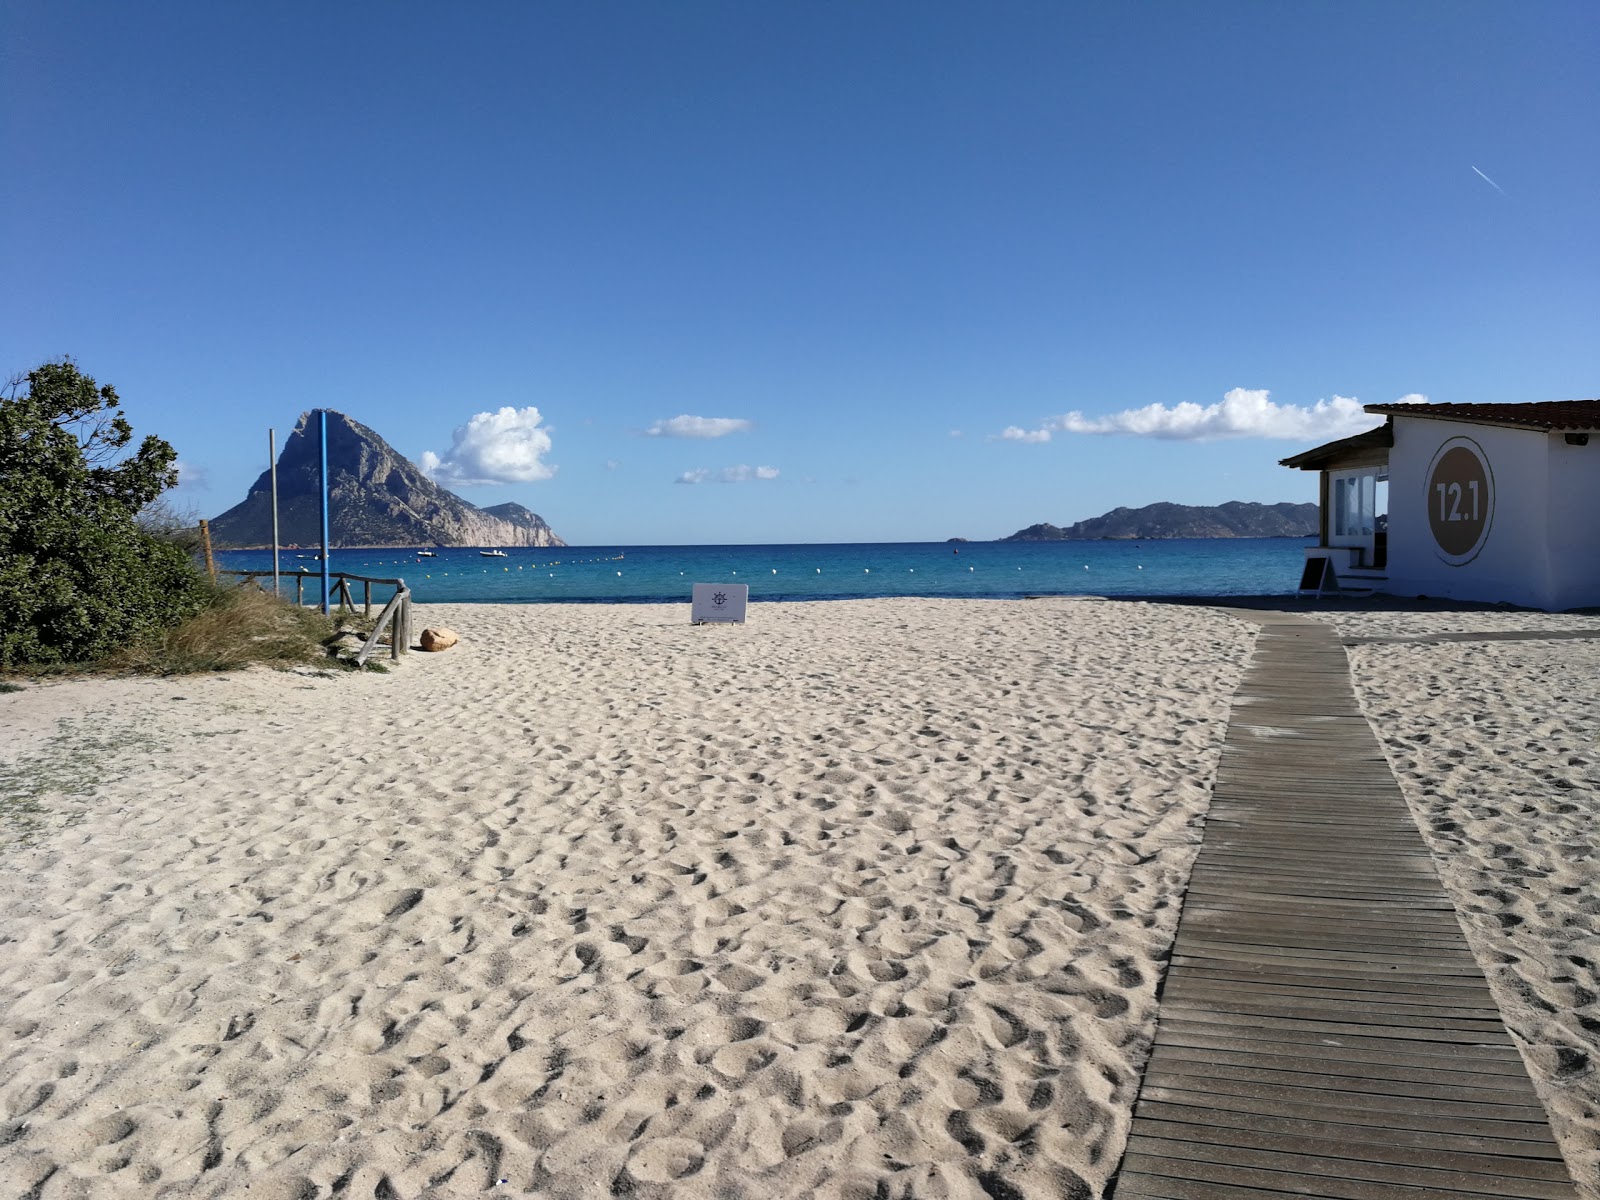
1154	522
376	498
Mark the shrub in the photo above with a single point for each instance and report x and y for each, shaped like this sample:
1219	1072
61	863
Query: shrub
79	578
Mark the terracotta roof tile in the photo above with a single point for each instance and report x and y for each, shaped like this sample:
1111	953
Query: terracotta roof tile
1547	414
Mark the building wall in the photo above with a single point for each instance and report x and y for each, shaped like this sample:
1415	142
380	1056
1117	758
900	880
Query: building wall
1573	522
1533	552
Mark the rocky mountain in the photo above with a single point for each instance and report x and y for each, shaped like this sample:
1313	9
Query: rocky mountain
1153	522
375	498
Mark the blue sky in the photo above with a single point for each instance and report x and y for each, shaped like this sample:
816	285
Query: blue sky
808	271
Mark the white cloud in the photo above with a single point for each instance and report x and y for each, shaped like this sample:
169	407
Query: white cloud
957	433
191	475
1012	433
739	474
612	464
1241	413
699	427
507	446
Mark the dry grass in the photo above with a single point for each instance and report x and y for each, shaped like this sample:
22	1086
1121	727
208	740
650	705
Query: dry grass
243	626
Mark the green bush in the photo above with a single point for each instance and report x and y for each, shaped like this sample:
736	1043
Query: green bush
79	578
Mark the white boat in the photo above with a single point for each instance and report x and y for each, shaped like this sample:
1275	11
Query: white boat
426	554
493	553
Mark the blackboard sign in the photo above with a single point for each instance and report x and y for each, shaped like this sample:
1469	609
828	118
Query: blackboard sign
1317	575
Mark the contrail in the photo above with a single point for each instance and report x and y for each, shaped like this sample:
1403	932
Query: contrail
1489	181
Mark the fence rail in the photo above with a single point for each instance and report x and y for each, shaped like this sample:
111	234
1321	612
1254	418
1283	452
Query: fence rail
395	615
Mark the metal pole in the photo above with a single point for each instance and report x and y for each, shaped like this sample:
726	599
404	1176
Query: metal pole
323	414
272	465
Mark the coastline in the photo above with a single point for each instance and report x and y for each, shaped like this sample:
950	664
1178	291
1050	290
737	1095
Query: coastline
861	891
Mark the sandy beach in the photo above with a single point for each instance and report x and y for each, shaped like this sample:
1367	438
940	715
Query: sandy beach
863	898
859	898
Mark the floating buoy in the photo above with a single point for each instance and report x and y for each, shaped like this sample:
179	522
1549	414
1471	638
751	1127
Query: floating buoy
619	573
1141	566
970	568
819	570
1085	566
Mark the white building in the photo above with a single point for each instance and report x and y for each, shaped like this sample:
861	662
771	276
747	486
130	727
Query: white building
1490	502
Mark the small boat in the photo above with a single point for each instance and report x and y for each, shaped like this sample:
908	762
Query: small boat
493	553
426	554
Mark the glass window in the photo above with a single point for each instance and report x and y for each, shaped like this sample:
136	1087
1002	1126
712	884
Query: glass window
1355	503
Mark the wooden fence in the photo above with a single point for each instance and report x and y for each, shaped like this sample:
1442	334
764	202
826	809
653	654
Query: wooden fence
394	616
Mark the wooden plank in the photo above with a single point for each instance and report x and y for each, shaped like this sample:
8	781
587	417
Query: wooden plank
1265	929
1324	1029
1193	1060
1172	1072
1331	960
1340	1146
1347	1179
1424	1002
1293	976
1383	1055
1442	1119
384	618
1306	1033
1384	1137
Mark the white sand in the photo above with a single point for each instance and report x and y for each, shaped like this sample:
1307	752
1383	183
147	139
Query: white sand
1497	748
1408	624
862	898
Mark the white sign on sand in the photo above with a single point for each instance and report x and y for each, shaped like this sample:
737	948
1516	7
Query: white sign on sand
718	603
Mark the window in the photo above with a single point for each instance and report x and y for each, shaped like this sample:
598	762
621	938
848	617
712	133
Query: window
1355	498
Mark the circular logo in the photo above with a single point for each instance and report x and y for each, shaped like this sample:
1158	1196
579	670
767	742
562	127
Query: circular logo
1460	500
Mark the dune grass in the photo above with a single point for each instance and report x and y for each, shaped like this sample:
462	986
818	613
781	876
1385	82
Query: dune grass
241	627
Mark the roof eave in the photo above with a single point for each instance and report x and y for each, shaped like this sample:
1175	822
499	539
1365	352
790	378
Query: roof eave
1315	459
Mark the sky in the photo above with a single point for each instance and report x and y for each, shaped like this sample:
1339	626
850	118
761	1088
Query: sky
698	272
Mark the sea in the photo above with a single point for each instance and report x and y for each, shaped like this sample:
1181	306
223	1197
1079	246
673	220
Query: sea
653	574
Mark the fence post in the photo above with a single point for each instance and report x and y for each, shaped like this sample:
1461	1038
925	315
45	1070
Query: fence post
205	542
401	641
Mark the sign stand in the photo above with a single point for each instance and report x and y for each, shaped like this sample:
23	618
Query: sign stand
1318	574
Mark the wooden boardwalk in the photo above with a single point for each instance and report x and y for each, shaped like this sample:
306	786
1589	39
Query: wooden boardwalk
1324	1030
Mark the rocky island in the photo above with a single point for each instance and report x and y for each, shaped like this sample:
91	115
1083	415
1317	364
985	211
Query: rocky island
1154	522
376	497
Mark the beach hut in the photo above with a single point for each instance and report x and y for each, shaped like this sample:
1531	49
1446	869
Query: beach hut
1488	502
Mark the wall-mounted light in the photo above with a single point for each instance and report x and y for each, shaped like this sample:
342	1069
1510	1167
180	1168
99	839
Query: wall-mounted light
1577	439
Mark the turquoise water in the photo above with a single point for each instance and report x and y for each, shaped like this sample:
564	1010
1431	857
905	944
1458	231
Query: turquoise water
638	574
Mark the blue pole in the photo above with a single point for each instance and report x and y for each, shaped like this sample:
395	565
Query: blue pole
323	414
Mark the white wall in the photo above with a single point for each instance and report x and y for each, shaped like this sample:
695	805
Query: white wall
1573	521
1520	562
